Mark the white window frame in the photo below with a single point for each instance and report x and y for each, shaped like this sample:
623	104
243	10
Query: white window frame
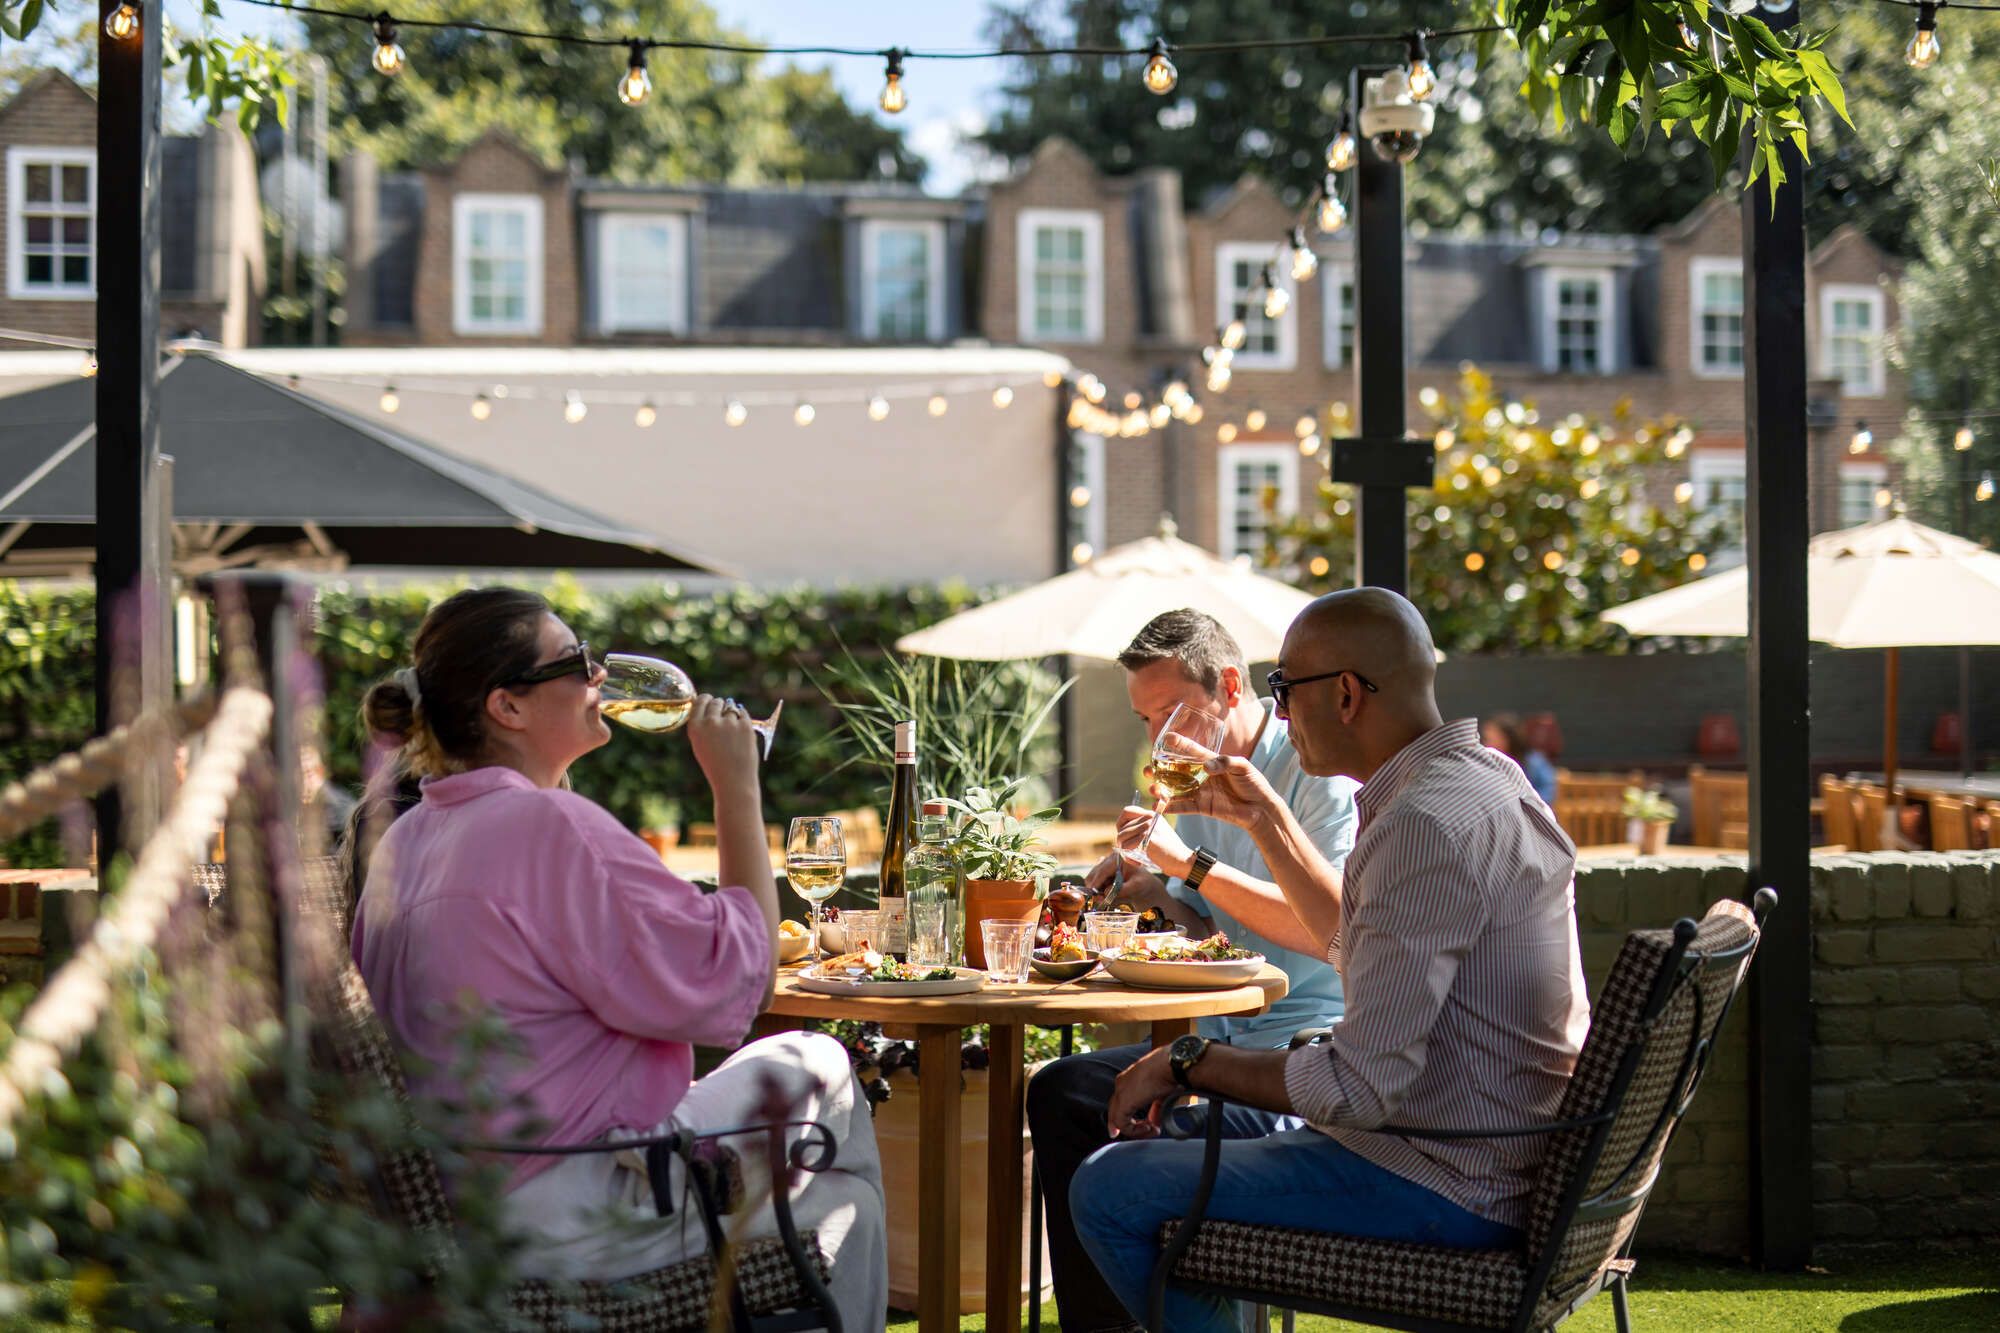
1090	473
674	317
1700	269
1256	253
872	230
1834	292
1335	273
529	206
1711	465
1553	278
18	160
1091	224
1230	459
1876	474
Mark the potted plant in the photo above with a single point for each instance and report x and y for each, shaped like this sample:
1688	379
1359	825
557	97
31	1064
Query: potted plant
1002	867
660	822
1649	815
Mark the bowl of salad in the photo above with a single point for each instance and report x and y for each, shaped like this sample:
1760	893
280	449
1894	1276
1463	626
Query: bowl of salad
1065	959
1178	963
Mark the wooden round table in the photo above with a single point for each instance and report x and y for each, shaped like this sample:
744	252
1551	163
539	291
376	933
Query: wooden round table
935	1023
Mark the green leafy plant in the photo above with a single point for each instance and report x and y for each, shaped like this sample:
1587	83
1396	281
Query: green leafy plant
979	724
659	812
1651	807
993	842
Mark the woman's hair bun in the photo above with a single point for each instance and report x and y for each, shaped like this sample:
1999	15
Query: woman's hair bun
388	710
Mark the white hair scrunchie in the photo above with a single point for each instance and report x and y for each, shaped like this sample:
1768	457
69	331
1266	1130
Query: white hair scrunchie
407	678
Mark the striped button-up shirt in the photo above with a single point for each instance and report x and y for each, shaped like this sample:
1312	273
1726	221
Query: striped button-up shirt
1465	993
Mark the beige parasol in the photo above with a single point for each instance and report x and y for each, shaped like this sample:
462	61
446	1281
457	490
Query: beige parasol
1094	611
1893	584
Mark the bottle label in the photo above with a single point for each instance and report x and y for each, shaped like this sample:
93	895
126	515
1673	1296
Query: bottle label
895	925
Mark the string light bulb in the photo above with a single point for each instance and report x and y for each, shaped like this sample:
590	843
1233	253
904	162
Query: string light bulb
122	24
636	85
574	408
1684	492
1341	152
388	59
1003	397
1423	79
893	99
1254	419
1304	262
938	405
1159	416
1132	399
1305	426
803	414
1309	445
646	415
735	414
390	399
1233	334
1276	299
1985	491
1862	440
1052	379
482	407
1883	497
1332	212
1697	562
1923	50
1160	75
1962	440
878	408
1079	497
89	367
1080	553
1226	433
1218	377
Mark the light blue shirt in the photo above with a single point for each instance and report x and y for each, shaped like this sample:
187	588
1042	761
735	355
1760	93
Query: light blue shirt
1324	808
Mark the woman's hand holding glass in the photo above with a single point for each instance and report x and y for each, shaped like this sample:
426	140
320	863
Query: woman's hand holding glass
726	745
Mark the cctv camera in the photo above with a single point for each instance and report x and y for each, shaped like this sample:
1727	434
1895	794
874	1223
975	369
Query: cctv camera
1395	122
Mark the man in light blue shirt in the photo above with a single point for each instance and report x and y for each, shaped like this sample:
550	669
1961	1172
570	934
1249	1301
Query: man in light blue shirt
1216	880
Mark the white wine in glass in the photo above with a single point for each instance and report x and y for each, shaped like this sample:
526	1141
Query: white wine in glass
647	694
815	865
1191	738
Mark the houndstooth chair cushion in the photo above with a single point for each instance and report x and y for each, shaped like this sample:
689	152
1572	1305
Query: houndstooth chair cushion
1656	1083
350	1036
1421	1281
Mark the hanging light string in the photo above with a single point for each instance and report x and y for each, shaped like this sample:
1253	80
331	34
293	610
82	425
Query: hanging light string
47	339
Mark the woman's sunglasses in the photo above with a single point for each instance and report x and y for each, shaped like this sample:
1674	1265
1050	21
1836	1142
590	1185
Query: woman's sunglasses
578	662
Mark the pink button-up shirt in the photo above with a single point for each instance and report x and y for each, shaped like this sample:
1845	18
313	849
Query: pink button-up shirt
538	905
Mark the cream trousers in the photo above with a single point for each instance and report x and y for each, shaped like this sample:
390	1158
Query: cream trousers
593	1216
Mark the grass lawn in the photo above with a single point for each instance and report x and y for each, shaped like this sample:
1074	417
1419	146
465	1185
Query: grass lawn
1933	1294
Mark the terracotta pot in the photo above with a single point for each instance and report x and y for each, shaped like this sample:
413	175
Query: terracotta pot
996	900
661	840
1653	836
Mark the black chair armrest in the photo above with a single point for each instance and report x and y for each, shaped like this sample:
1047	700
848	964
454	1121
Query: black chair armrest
1307	1036
1177	1127
1503	1132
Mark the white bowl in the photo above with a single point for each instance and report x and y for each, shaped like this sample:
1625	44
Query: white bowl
1157	975
791	948
833	937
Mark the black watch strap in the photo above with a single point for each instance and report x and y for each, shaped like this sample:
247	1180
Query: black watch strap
1203	862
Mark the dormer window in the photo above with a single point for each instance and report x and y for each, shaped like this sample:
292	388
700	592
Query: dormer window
51	223
1578	321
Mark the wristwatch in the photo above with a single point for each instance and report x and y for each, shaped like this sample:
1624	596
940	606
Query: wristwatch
1203	862
1185	1054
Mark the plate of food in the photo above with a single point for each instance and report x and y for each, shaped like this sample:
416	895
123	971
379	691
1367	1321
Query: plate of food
1177	963
1065	959
871	973
794	938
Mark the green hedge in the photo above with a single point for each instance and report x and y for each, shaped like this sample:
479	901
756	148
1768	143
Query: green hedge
757	646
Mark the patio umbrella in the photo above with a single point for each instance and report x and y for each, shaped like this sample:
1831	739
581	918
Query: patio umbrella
266	476
1890	585
1094	611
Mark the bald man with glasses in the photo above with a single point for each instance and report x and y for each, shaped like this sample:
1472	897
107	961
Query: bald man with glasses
1453	924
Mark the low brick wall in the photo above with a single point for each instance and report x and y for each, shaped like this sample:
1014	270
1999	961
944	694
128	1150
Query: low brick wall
1906	1049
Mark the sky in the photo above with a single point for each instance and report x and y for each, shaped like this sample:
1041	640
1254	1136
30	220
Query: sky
946	102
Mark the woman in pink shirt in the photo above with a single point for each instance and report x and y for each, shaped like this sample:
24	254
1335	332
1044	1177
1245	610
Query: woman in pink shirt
504	892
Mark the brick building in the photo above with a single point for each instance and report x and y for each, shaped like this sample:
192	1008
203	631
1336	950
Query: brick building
211	229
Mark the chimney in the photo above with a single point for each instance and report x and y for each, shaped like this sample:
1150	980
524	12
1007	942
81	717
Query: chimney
1164	255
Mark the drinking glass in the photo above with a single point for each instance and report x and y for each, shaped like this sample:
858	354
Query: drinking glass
1009	947
815	865
1191	738
862	928
930	931
1146	796
647	694
1108	932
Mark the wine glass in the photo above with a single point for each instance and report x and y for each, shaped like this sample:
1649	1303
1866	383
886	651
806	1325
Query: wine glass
647	694
1191	738
816	865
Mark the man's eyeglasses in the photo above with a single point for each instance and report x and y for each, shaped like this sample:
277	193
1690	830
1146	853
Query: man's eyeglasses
578	662
1281	689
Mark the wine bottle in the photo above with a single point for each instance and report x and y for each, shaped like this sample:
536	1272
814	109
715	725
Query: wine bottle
898	833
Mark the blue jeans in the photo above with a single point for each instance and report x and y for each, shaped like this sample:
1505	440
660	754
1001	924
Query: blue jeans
1297	1178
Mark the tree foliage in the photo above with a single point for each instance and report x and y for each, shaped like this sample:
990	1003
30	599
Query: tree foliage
1580	117
1533	528
711	116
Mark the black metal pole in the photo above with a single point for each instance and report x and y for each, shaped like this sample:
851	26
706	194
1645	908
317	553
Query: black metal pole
1065	480
1776	465
1381	351
128	424
1964	530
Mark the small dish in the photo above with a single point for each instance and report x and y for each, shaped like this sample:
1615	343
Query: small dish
792	947
1066	971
